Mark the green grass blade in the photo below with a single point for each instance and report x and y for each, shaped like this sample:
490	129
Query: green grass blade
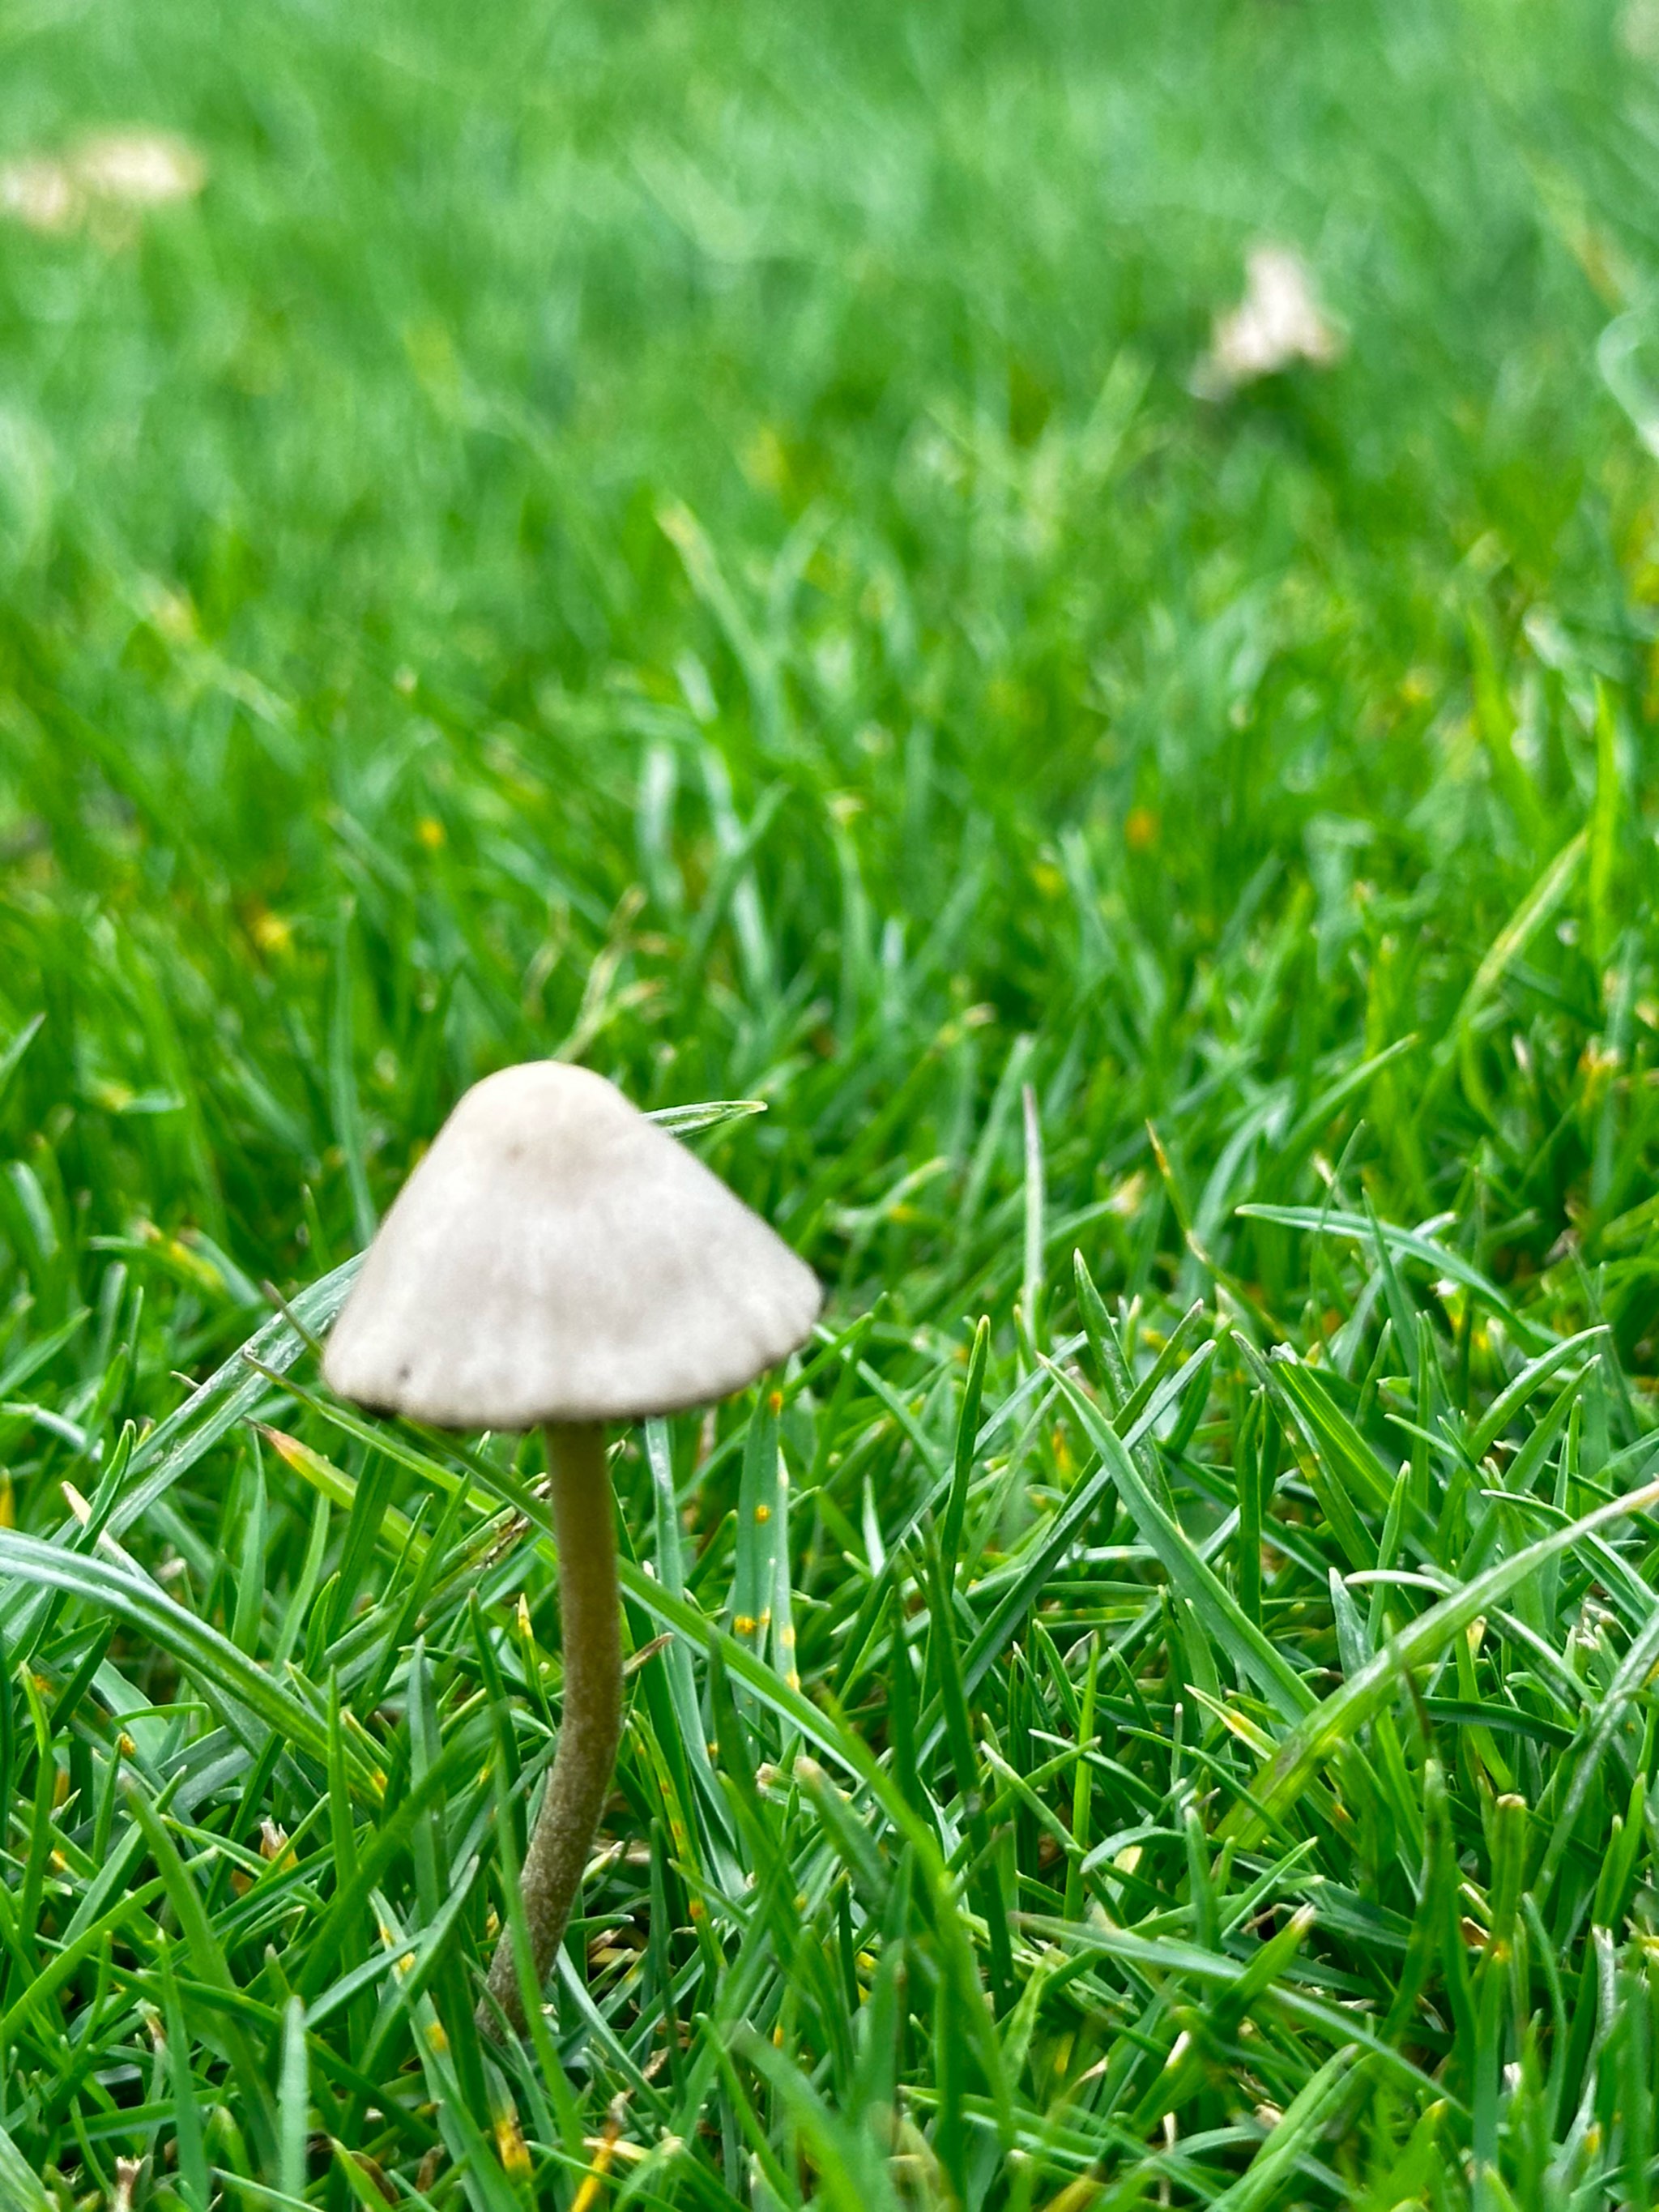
1280	1782
1218	1613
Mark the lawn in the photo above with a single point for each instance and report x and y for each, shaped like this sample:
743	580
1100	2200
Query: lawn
703	541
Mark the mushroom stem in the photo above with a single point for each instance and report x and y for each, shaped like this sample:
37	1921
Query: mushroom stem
591	1726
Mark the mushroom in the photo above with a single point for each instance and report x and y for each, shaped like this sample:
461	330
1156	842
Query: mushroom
557	1259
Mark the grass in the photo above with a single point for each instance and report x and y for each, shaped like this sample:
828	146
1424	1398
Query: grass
684	538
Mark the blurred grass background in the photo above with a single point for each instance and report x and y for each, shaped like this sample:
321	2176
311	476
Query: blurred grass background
544	419
687	538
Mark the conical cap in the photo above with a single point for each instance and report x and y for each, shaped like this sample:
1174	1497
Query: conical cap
557	1257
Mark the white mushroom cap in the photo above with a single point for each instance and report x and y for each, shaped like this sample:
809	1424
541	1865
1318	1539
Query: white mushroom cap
557	1257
